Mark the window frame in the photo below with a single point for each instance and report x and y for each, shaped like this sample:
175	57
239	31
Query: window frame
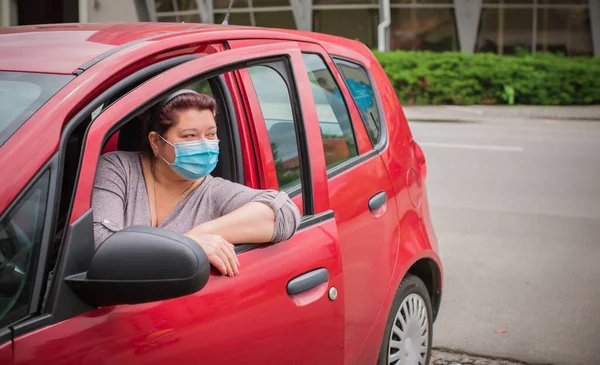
61	195
39	263
285	70
333	169
382	142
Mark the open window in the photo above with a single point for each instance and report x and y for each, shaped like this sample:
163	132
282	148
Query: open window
132	136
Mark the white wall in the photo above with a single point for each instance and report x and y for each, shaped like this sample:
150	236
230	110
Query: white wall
8	13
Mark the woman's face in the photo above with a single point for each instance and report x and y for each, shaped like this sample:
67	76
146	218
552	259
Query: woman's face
190	125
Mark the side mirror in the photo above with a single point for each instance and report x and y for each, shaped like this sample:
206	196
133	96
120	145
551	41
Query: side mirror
142	264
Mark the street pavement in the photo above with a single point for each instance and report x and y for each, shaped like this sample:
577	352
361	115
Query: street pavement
516	207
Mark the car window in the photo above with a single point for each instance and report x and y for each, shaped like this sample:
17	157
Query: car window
359	84
276	107
22	94
339	143
20	238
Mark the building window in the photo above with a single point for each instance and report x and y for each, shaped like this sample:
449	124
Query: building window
432	29
414	2
177	11
557	26
565	31
358	24
258	13
505	31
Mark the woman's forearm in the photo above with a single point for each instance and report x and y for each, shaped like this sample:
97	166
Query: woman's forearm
252	223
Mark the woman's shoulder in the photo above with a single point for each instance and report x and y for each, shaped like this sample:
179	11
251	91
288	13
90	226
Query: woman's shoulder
123	161
220	183
121	157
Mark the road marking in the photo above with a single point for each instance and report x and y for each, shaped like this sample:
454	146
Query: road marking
473	147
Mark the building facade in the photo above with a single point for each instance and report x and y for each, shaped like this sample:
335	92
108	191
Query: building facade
570	27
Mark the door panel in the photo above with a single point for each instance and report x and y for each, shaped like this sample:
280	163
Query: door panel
246	319
367	218
368	242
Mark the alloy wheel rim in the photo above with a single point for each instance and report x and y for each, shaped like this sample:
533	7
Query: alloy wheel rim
409	337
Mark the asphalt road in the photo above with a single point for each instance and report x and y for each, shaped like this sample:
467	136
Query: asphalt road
516	207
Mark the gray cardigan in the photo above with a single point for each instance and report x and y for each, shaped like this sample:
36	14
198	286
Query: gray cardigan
120	200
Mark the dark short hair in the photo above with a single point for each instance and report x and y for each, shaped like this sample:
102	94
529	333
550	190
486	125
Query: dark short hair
162	117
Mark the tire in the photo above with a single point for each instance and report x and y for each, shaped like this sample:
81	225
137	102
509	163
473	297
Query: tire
410	317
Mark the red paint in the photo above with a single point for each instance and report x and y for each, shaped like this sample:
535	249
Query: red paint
250	318
6	354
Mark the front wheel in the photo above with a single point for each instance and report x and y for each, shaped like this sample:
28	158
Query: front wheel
408	332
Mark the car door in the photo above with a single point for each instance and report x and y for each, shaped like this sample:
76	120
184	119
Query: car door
277	311
361	194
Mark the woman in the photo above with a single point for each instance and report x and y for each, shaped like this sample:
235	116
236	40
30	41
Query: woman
169	186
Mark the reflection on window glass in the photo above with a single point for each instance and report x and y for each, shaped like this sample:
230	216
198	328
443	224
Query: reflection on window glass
22	94
360	24
20	238
565	31
361	89
276	107
339	143
505	31
424	29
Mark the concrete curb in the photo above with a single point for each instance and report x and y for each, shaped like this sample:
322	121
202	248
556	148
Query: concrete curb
456	112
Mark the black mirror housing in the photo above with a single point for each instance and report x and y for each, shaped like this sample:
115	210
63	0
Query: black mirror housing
142	264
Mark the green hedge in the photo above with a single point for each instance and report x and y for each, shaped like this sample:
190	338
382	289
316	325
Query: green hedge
455	78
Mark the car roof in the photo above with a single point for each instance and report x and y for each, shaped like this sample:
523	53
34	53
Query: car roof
63	48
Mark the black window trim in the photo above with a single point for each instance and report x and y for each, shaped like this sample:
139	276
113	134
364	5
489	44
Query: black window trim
50	168
383	135
306	222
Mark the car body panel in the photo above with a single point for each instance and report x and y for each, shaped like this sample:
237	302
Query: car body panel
230	321
366	257
260	310
6	353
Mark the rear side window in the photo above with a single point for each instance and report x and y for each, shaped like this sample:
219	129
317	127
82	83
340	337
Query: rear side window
276	107
339	143
360	86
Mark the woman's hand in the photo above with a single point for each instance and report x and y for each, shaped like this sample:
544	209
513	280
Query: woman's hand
220	253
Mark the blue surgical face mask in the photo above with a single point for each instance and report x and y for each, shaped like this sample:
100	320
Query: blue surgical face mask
194	159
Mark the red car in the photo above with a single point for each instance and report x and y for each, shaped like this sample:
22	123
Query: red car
310	114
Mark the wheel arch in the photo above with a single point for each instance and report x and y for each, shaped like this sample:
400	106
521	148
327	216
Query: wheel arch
427	270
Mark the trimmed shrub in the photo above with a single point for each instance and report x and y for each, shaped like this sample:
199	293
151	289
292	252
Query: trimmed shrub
455	78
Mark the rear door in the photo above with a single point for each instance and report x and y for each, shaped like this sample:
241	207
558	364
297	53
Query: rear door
274	312
360	193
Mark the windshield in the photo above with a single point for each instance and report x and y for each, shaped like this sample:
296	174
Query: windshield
22	94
